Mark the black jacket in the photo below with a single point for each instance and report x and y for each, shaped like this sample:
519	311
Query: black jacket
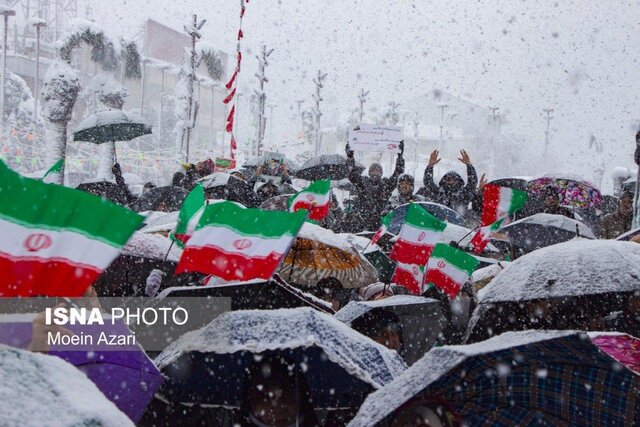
457	197
372	195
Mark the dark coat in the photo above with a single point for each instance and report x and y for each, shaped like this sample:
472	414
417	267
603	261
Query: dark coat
372	195
613	225
456	197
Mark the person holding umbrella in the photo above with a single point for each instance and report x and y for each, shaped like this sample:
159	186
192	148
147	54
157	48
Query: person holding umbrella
372	191
551	203
618	222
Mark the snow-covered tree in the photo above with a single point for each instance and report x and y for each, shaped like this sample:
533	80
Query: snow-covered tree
60	91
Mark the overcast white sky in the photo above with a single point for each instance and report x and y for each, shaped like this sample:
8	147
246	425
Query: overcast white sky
580	57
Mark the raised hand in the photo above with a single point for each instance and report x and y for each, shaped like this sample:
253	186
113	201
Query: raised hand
482	183
401	148
433	158
348	150
464	158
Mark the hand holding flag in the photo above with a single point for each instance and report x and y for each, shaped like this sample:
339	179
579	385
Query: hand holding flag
316	199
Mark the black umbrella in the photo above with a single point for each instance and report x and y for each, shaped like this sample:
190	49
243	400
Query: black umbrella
110	126
332	166
257	295
421	320
224	186
442	212
164	199
541	230
515	183
268	157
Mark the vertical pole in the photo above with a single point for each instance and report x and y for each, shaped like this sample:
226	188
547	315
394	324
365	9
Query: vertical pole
548	112
36	84
493	136
6	14
442	107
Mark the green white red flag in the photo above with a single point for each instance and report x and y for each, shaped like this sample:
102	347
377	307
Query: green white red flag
386	222
190	213
56	240
54	174
483	236
449	269
500	202
410	276
418	235
235	243
316	199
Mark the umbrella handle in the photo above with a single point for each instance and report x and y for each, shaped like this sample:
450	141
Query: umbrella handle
115	156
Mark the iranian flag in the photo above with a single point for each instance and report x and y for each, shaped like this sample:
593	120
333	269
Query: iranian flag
483	236
54	174
418	235
190	213
449	269
56	240
386	221
315	198
409	276
500	202
235	243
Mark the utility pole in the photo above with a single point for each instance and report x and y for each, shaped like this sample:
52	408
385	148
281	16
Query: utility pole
494	116
318	113
192	31
362	98
6	13
39	24
443	108
262	97
548	112
416	125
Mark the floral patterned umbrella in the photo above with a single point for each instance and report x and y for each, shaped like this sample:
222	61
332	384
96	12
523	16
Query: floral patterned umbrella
574	190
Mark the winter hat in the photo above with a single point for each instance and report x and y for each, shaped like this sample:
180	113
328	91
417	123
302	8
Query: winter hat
370	291
405	177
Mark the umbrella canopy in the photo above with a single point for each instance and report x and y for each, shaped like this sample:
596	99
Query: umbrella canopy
629	235
318	253
224	186
385	242
574	190
152	246
268	157
421	320
166	199
276	203
340	366
622	347
441	212
44	390
253	295
105	189
160	222
374	254
332	166
516	182
110	126
519	378
541	230
572	285
579	267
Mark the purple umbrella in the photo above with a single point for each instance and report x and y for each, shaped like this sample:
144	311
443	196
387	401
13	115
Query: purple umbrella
126	376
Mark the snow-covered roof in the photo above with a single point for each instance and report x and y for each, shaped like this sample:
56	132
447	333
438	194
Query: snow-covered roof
258	331
558	221
436	363
577	267
355	309
40	390
151	246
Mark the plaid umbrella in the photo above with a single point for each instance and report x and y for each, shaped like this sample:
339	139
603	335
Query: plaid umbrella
574	190
518	378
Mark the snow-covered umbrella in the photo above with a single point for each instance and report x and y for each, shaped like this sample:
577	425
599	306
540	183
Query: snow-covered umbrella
268	157
318	253
167	199
220	185
516	182
442	212
325	166
210	366
518	378
541	230
570	285
574	190
276	203
44	390
110	126
421	320
374	254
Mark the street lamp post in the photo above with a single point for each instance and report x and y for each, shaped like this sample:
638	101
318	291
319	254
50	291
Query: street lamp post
6	13
38	24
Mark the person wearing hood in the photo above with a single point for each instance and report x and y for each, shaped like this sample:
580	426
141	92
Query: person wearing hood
372	191
451	191
551	203
406	185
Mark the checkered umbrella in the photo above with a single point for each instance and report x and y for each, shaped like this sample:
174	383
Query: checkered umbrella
518	378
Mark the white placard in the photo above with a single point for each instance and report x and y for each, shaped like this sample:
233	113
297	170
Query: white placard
380	138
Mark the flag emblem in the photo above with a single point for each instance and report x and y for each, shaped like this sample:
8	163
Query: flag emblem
36	242
241	244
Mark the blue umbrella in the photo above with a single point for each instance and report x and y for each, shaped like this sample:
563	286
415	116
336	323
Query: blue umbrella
210	365
519	378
